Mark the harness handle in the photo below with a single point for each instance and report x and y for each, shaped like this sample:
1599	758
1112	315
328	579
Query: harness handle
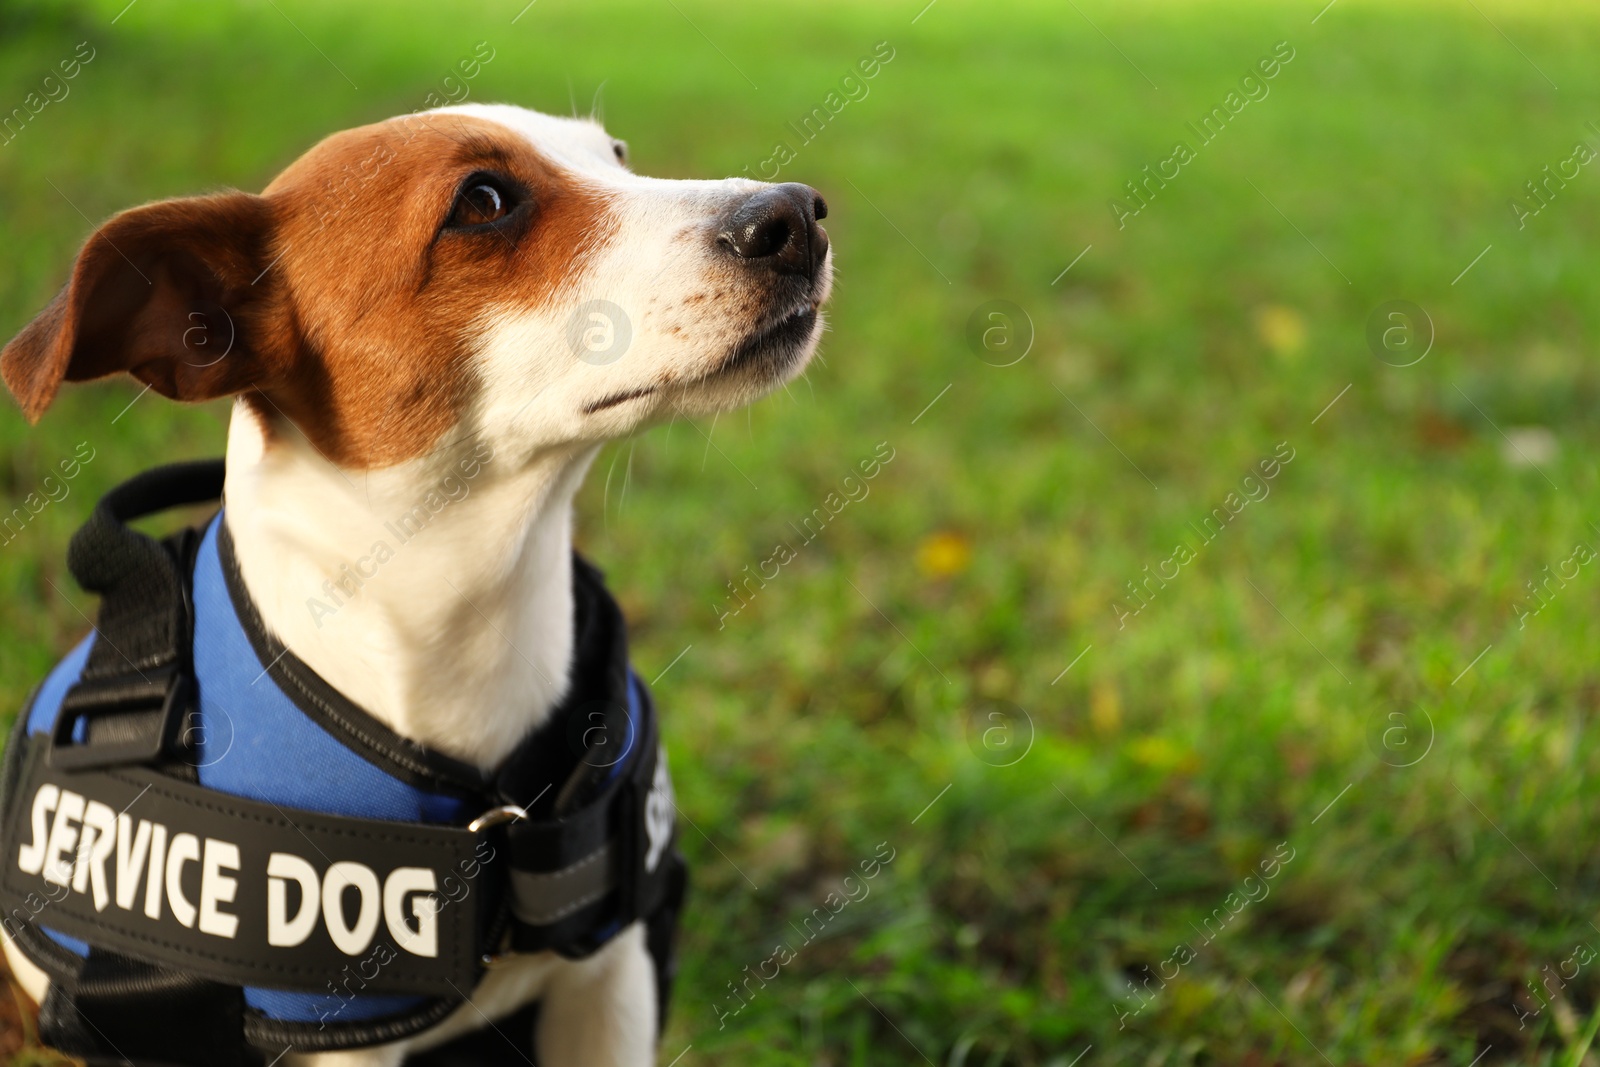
129	703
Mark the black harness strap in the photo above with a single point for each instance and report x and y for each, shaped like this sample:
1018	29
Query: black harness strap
128	707
509	1041
118	1010
129	704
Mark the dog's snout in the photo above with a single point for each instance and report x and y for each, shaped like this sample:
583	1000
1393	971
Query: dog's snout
777	229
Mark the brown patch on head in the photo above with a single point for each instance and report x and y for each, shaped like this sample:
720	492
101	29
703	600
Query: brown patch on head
388	296
344	296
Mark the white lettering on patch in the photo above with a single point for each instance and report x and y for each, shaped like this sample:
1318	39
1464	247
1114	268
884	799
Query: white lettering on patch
84	847
659	809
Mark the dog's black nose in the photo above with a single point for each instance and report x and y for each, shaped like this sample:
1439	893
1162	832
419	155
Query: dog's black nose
777	229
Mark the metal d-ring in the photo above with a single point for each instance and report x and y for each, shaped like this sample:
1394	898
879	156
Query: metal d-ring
496	816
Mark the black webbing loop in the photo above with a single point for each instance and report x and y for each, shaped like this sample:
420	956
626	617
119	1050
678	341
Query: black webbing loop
129	703
117	1010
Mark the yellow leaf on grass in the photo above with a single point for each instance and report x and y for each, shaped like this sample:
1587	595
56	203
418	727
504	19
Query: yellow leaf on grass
1190	999
1105	708
1283	329
943	554
1162	754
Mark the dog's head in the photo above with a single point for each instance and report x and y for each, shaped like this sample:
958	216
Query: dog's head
483	269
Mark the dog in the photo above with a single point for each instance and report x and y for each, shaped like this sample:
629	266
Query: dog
478	277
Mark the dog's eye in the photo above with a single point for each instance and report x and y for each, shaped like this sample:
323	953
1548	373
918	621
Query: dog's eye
621	150
479	203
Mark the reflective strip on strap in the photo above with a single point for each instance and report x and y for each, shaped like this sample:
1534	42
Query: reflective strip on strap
541	899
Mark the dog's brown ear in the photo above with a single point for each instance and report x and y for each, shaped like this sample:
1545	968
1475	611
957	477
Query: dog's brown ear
166	292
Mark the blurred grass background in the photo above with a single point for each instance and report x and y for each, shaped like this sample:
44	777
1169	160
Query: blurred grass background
1261	705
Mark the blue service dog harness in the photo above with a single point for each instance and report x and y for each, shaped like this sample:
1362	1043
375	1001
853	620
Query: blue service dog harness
217	857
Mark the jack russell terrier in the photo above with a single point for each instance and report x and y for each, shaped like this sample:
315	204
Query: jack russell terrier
476	297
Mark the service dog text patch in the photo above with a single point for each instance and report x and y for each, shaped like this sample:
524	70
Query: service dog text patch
236	890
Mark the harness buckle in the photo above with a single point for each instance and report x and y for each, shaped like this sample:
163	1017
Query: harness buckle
126	719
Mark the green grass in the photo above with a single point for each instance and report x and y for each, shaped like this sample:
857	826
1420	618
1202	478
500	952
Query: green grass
1245	706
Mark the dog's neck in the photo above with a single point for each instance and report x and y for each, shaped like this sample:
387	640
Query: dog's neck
452	624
